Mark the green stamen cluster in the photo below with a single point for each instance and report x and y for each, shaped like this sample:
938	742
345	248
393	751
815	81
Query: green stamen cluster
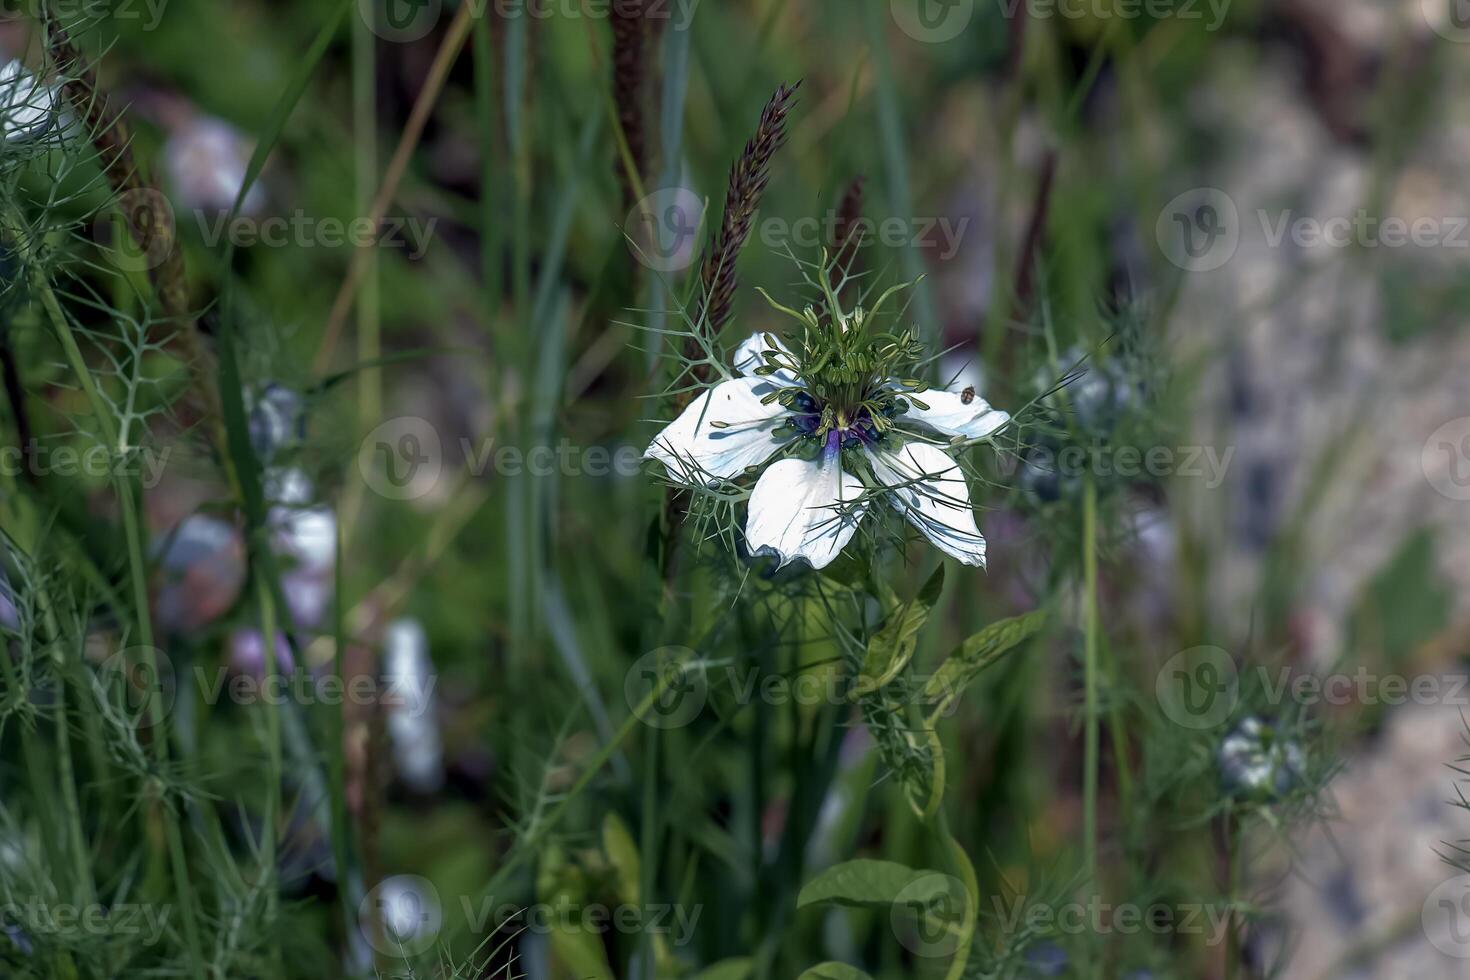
853	373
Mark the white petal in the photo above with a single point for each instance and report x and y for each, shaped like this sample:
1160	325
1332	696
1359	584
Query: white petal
804	509
26	103
748	357
695	450
928	488
948	414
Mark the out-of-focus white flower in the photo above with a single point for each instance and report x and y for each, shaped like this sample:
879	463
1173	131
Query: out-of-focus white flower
206	159
201	565
303	532
413	725
1258	763
866	435
306	535
277	420
27	104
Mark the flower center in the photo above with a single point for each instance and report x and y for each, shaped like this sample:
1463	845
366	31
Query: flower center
836	427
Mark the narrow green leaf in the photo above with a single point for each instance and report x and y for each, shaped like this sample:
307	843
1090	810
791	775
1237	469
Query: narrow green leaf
622	853
282	112
737	968
865	883
833	970
891	648
980	651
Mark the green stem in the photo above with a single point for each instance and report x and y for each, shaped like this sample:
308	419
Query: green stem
972	897
132	533
1232	881
526	847
364	127
273	748
1090	668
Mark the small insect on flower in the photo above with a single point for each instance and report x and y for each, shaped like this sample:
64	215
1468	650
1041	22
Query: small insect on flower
846	422
27	105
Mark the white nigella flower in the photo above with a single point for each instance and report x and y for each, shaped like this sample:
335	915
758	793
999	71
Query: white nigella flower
848	428
307	535
1258	762
27	105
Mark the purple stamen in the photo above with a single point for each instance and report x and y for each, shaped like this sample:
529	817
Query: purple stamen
807	424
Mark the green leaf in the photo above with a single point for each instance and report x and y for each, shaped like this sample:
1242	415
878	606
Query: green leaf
848	571
560	883
622	853
833	970
865	883
891	648
737	968
581	951
973	656
276	124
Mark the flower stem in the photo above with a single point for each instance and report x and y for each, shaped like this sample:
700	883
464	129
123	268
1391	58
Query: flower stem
271	668
1090	668
128	509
